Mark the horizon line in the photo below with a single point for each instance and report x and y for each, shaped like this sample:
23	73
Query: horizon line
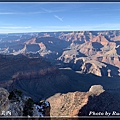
59	31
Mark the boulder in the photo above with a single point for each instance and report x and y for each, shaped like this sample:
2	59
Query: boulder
96	89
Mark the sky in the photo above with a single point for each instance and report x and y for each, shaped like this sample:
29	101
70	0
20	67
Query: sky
65	16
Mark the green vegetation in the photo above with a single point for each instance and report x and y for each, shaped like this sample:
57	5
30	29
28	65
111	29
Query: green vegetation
15	94
28	107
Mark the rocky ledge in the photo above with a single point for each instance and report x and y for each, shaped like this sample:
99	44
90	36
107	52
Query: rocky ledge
83	103
95	102
17	104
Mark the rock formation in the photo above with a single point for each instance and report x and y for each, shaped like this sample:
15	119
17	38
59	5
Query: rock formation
4	101
82	103
66	47
16	104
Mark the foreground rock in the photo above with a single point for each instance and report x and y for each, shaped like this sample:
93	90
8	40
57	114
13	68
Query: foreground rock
82	103
4	101
17	104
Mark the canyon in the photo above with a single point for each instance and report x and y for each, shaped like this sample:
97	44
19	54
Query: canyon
82	67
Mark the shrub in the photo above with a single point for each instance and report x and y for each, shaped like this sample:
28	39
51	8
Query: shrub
28	107
15	94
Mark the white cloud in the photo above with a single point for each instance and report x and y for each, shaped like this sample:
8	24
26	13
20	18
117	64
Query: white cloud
7	13
43	10
22	29
81	27
15	27
20	13
59	18
52	11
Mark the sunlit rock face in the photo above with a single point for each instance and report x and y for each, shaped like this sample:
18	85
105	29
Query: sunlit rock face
68	47
81	103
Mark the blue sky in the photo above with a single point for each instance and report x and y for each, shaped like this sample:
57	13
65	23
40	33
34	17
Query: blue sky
47	17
